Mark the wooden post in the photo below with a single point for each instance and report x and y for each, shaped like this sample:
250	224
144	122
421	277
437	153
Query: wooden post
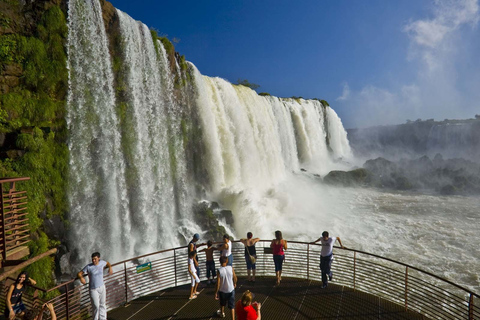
67	311
2	234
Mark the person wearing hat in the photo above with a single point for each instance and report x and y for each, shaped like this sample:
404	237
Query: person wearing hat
192	247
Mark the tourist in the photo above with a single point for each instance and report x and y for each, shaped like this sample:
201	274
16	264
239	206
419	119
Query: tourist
250	252
36	314
226	249
96	286
192	246
326	256
246	310
13	304
193	275
225	291
210	264
278	246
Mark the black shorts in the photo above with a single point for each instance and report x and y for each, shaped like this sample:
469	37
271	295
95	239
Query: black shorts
227	297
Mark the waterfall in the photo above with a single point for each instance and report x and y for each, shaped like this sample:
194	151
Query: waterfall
132	180
99	207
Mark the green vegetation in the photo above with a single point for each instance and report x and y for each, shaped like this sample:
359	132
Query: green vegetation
264	94
32	108
246	83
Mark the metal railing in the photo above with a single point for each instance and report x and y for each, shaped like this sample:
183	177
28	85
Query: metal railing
14	230
416	290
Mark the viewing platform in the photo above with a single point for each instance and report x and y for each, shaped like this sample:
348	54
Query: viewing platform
364	286
297	299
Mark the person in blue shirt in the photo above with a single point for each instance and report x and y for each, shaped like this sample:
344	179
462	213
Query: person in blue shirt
96	285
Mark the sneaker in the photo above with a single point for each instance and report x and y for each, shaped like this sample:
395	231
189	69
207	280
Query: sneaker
220	313
324	286
330	276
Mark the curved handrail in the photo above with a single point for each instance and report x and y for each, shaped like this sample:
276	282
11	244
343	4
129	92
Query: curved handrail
415	292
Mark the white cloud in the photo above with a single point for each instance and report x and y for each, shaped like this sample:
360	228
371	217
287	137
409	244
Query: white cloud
440	89
345	93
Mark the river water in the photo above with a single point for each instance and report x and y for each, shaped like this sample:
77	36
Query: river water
439	234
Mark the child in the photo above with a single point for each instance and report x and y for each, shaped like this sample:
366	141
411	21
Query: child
210	264
193	275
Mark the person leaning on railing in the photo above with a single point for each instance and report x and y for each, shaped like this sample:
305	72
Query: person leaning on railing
326	256
278	246
96	286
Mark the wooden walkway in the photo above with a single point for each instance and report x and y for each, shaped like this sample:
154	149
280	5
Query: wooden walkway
297	299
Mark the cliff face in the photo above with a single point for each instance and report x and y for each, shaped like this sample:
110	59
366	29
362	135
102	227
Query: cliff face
450	138
33	86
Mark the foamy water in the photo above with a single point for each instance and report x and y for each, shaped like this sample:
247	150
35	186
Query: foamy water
439	234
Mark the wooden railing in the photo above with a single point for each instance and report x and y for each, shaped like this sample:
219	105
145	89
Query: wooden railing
14	229
405	285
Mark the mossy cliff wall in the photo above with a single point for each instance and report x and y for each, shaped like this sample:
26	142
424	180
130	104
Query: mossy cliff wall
33	87
33	131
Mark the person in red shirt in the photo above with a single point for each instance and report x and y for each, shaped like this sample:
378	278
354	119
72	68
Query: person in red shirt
246	310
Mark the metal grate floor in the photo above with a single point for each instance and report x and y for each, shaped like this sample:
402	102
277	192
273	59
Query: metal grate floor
297	299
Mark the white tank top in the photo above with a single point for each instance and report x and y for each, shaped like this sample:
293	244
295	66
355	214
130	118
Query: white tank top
226	274
227	252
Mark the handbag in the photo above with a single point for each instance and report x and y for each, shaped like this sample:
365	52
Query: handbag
252	258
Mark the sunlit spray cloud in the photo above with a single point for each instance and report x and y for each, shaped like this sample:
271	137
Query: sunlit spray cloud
439	47
345	93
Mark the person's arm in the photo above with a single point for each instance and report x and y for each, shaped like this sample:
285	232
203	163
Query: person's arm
271	244
340	241
8	302
80	276
234	278
259	315
317	240
244	241
256	240
219	280
48	306
285	246
109	266
31	281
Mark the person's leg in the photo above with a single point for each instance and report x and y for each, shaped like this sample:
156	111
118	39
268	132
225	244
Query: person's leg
192	287
103	303
323	268
254	267
95	300
231	303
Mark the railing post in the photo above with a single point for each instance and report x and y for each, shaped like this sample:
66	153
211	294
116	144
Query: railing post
308	261
67	311
354	268
3	234
126	283
470	307
406	288
175	265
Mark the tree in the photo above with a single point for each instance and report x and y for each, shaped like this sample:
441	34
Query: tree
246	83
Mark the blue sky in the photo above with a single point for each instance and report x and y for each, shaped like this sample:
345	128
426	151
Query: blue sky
375	61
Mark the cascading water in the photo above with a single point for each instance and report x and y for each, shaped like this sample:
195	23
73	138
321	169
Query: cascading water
99	206
131	186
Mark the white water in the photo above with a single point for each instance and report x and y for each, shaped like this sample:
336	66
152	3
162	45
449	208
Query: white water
126	199
97	190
